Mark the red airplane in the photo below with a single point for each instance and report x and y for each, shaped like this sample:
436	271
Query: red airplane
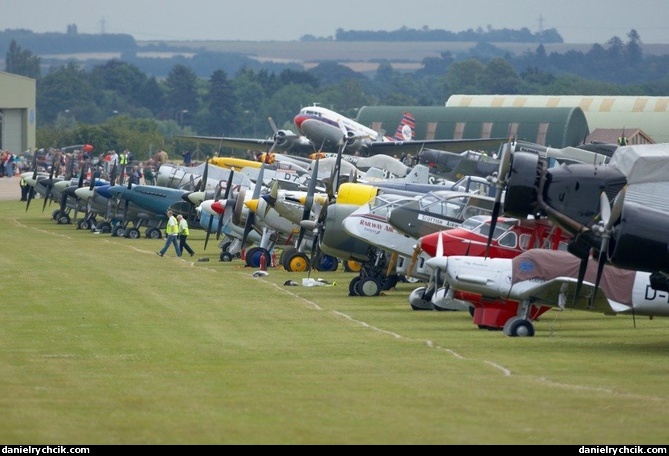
511	237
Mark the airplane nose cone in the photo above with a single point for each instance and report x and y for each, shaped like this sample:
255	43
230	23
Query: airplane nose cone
83	192
195	197
206	207
269	199
218	207
299	119
252	204
103	190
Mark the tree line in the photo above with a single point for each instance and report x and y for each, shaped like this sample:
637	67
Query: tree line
116	105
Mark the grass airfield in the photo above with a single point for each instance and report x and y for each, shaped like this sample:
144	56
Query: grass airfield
104	342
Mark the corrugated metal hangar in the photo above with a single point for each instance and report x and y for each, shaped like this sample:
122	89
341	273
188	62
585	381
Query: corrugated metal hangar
650	114
555	127
18	96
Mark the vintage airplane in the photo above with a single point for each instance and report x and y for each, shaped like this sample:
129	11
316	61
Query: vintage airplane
324	128
632	233
321	130
438	210
511	237
543	277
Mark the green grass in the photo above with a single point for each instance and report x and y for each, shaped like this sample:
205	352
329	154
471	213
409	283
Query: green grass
103	342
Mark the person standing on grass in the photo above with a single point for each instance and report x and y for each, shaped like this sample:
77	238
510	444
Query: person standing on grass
183	235
171	235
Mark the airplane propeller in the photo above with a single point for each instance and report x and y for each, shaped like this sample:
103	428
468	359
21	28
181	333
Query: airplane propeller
499	180
250	218
308	203
609	217
49	184
211	219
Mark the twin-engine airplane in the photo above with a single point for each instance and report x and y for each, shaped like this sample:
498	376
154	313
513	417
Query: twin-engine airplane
322	130
542	277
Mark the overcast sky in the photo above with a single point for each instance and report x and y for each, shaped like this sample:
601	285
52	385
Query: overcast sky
578	21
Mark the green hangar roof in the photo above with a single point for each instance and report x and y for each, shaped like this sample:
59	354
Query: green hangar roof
650	114
554	127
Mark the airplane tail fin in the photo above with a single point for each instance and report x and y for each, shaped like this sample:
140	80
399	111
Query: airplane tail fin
419	174
405	129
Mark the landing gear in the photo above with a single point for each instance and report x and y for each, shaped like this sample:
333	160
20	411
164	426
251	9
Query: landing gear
254	254
153	233
63	218
518	327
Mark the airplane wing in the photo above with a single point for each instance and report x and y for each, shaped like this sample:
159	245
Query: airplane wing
559	292
295	144
450	145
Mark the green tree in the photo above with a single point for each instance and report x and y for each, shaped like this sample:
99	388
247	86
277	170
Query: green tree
222	107
181	94
499	77
22	62
464	77
633	52
67	90
252	97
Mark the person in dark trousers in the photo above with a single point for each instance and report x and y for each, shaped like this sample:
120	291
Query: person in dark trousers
183	235
171	235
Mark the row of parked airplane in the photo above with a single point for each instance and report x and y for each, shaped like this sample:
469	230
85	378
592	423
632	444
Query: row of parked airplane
484	243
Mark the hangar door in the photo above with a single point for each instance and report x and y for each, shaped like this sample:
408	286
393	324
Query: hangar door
11	130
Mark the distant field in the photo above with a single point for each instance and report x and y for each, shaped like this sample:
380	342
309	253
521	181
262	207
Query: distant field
364	56
370	50
359	56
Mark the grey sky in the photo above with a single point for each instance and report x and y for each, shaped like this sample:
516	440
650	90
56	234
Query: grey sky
578	21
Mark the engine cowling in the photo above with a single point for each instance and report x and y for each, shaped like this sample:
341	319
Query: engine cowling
641	240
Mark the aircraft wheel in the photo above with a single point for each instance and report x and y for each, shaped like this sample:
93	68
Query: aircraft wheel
83	225
326	263
297	262
153	233
254	254
518	327
418	302
285	254
352	266
352	286
54	214
63	219
132	233
104	227
118	231
368	286
226	256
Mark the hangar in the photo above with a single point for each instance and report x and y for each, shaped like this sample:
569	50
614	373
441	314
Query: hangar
18	96
554	127
650	114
